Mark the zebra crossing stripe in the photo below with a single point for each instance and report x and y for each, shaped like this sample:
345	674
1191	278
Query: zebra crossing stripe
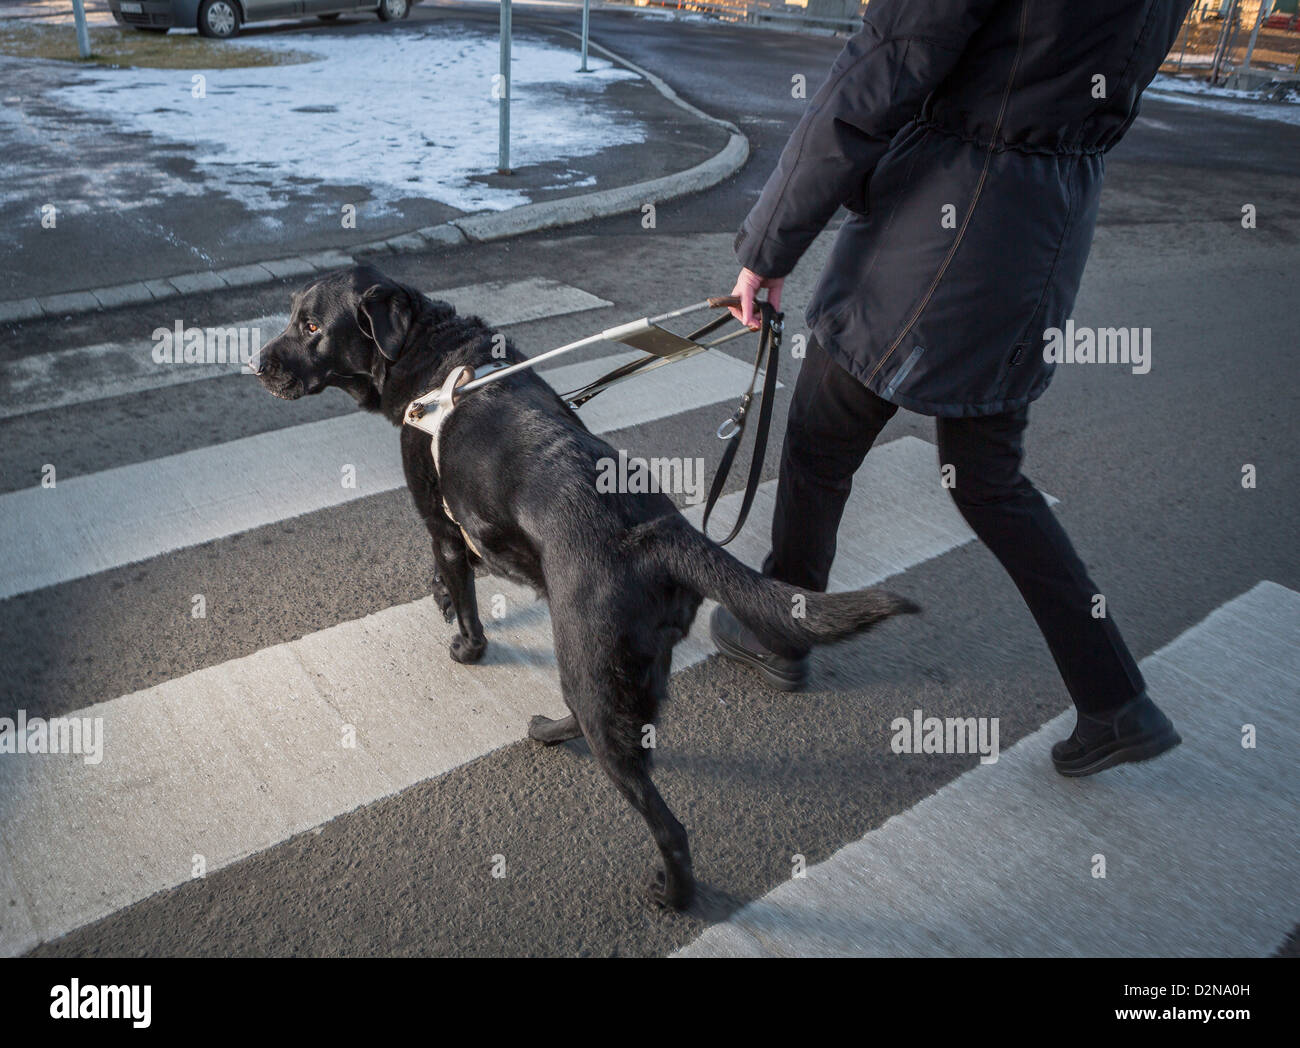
218	764
1199	846
104	520
84	374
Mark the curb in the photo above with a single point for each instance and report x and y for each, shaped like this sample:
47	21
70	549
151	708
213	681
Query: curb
568	210
526	218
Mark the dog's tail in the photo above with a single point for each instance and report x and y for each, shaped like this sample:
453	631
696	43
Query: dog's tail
787	620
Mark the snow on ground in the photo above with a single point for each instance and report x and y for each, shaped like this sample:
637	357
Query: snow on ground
1183	85
669	14
406	113
1224	100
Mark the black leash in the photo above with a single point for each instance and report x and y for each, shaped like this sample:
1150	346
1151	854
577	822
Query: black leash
766	361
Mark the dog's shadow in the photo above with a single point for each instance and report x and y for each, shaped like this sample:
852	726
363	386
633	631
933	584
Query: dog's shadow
713	905
502	654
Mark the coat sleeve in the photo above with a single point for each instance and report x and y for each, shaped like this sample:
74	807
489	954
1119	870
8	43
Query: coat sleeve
903	52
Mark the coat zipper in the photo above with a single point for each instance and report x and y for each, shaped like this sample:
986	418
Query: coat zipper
979	188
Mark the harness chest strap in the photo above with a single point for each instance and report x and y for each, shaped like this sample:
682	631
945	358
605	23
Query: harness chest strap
431	422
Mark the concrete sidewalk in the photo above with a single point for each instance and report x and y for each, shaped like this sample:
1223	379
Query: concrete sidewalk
185	237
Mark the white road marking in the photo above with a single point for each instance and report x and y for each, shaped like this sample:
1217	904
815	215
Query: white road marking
1200	845
234	758
104	520
113	369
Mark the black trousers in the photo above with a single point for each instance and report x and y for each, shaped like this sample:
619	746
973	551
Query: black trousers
834	419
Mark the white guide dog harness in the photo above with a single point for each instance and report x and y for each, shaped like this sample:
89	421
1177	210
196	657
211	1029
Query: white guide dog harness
431	422
660	346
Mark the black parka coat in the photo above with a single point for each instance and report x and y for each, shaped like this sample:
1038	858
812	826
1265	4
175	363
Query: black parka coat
966	138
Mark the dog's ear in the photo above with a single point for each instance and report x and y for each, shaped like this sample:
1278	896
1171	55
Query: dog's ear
384	315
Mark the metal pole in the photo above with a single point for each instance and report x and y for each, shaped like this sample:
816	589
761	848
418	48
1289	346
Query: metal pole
503	147
1232	40
1264	6
586	18
1187	33
83	34
1225	35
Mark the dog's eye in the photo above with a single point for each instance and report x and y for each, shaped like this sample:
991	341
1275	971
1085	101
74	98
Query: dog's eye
312	328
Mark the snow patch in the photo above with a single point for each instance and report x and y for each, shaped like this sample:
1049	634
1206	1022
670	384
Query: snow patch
1225	100
405	114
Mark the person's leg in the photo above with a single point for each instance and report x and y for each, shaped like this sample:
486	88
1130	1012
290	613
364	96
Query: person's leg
1117	721
833	421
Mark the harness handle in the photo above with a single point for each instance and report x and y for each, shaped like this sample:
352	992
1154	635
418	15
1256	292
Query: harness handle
732	429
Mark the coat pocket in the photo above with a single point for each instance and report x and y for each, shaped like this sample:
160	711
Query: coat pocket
1024	372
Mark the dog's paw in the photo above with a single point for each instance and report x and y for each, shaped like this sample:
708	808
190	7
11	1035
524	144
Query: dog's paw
442	597
465	650
549	732
673	893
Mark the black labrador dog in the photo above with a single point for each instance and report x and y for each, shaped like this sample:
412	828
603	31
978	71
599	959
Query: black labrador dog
623	573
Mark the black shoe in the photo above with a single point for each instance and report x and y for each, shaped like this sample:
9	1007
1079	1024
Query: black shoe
736	642
1137	731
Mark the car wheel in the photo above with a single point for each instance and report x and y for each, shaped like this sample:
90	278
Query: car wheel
329	18
219	18
394	10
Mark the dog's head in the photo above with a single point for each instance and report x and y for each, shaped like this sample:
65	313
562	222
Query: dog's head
344	330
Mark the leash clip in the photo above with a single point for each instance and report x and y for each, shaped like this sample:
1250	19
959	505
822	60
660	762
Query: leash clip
736	421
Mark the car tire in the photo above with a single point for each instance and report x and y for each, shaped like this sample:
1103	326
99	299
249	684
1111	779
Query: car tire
394	10
218	19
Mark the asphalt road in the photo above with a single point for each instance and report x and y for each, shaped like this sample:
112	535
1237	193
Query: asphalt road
1147	469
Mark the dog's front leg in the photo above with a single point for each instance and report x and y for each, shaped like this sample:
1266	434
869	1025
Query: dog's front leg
454	573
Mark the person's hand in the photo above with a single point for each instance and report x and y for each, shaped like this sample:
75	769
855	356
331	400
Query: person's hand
747	285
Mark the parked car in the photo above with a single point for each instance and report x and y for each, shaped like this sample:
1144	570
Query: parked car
222	18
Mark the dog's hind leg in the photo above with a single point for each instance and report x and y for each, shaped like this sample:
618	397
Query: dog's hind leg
456	578
627	763
615	695
548	731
